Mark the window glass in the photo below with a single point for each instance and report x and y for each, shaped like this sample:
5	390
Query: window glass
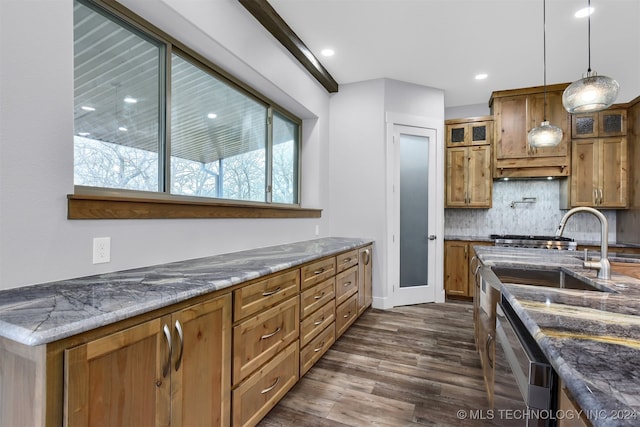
116	103
218	137
285	160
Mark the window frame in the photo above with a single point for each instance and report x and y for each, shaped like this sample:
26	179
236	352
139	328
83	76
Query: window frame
88	202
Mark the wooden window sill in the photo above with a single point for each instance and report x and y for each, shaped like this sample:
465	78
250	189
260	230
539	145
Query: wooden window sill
80	206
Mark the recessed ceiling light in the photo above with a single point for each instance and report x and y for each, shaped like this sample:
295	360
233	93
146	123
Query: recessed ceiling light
481	76
327	52
212	115
582	13
122	128
130	100
87	108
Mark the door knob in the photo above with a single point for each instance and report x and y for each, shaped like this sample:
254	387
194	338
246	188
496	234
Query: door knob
432	237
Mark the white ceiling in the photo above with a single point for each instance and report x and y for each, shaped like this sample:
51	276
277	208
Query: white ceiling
445	43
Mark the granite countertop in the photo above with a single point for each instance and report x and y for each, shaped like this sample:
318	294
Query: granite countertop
47	312
591	338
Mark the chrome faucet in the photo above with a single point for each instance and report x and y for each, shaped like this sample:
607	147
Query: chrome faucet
603	266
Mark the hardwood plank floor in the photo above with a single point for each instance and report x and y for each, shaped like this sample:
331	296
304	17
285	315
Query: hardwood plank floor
409	366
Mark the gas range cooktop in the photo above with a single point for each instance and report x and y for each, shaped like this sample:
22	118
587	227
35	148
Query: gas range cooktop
532	241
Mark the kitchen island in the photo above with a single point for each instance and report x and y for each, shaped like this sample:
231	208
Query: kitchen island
591	338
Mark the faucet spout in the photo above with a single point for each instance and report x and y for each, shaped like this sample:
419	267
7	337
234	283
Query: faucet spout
603	266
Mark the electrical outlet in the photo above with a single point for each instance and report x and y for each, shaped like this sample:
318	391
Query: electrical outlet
101	250
317	230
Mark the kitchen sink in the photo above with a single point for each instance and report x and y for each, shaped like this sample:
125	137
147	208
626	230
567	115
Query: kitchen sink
552	278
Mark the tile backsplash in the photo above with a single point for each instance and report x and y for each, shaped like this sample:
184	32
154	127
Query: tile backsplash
538	218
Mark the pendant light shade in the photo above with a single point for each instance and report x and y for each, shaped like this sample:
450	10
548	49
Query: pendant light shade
545	135
592	93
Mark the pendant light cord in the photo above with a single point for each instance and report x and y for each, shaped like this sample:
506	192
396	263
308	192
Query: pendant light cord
544	57
589	34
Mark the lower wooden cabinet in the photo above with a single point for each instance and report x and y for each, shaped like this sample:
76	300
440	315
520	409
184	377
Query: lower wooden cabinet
173	370
459	267
346	314
261	391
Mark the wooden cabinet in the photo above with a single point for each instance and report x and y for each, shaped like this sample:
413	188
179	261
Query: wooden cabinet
610	122
365	280
459	267
468	169
599	177
573	415
515	113
173	370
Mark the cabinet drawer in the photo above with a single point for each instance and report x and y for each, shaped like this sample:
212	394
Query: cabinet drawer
310	354
346	284
346	314
314	298
317	272
262	391
256	297
312	325
346	260
259	338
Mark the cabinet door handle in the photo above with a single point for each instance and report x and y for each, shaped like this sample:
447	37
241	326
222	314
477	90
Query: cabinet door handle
488	348
595	196
601	196
347	315
347	283
320	271
315	350
318	322
275	291
268	389
267	336
367	256
181	336
167	364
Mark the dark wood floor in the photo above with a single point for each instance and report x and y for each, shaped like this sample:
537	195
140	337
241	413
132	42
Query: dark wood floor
409	366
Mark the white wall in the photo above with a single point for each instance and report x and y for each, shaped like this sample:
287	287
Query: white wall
37	242
358	159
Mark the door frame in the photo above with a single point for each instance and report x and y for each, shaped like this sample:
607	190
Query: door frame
392	224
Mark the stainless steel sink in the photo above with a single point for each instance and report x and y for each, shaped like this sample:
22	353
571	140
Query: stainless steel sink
552	278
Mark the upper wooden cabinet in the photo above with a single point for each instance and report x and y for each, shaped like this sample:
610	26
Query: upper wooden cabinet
471	131
515	113
611	122
468	170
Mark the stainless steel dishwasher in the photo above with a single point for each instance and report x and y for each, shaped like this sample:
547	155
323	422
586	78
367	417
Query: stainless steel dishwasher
524	381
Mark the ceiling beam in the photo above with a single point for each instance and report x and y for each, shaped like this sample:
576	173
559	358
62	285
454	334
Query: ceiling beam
269	18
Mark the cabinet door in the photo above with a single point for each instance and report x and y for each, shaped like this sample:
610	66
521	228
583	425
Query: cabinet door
121	379
456	190
556	115
584	174
479	181
201	367
480	133
457	135
511	127
613	173
365	279
456	264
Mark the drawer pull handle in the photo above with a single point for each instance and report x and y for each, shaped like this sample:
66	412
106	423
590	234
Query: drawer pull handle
264	337
347	315
347	283
315	350
316	323
319	296
275	291
346	260
319	271
268	389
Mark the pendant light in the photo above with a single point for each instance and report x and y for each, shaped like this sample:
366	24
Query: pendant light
592	93
545	135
